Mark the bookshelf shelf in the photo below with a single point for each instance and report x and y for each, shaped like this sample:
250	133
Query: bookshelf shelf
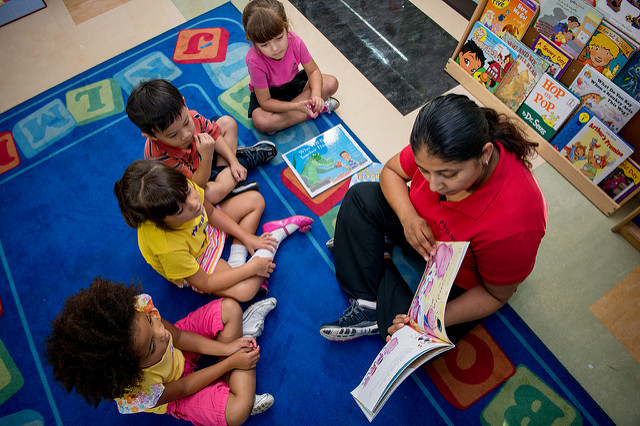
590	190
628	229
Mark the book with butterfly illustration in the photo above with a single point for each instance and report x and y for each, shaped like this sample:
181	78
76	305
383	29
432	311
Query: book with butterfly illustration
422	339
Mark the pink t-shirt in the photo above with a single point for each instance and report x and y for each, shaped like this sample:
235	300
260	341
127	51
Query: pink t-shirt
504	221
266	72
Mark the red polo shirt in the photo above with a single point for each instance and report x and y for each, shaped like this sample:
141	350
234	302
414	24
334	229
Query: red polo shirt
184	160
504	221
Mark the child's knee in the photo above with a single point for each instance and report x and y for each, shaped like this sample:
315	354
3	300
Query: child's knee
227	124
255	199
331	84
231	310
262	123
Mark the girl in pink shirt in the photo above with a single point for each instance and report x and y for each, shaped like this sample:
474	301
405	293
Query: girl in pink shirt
281	95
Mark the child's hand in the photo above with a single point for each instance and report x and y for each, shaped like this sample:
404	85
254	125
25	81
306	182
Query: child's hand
241	344
264	241
205	144
306	107
398	322
262	266
238	172
318	104
245	359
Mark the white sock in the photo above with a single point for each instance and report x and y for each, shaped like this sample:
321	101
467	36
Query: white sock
237	255
367	304
279	234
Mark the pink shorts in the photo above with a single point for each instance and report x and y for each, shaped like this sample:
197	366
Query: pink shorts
206	407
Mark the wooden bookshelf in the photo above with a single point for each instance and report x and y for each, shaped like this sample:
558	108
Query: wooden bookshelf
590	190
628	229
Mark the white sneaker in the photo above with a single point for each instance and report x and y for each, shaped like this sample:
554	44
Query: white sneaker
253	317
262	403
331	104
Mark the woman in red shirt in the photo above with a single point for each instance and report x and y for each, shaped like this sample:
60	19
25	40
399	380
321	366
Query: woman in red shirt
470	178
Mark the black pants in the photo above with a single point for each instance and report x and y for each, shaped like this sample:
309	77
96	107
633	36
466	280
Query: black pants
364	219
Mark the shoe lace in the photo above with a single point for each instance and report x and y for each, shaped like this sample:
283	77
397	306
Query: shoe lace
353	314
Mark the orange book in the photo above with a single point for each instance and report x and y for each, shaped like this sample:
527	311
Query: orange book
509	16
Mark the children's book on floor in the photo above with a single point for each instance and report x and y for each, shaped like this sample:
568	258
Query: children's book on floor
628	79
326	160
548	106
608	50
486	57
558	59
623	181
419	341
523	75
509	17
568	23
596	150
623	14
609	102
371	173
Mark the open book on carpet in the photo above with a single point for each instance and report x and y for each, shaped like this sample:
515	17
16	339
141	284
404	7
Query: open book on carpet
423	338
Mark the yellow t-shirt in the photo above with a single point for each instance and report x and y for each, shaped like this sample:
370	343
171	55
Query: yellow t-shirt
174	253
169	369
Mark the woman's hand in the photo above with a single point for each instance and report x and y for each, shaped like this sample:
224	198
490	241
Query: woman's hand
245	359
264	241
262	266
398	322
242	343
419	235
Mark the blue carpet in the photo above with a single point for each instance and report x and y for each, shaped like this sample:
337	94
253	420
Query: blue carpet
60	154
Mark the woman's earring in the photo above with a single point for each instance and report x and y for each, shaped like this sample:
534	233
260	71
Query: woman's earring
486	163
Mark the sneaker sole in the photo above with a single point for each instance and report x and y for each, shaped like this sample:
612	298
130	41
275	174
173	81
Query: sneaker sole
341	334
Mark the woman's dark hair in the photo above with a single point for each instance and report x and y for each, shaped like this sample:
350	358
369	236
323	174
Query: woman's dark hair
264	20
91	344
154	105
150	191
454	128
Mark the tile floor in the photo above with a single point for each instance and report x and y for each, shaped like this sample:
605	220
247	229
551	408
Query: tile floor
580	259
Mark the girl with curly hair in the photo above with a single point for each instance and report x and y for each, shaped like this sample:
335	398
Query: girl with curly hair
110	342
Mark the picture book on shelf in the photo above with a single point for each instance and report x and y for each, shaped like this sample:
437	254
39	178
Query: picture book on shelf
486	57
568	23
623	14
420	340
523	75
608	50
548	106
628	78
609	102
596	150
509	16
572	127
326	160
558	59
623	181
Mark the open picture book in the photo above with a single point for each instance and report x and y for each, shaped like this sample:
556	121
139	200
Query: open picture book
419	341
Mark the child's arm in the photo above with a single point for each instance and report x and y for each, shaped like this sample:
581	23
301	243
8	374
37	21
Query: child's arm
194	342
196	381
205	145
315	82
238	172
269	104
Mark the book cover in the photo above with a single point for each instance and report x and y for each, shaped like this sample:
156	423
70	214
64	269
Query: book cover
548	106
422	339
596	150
486	57
523	75
559	60
628	79
509	16
608	50
571	127
609	102
326	160
568	23
371	173
623	14
623	181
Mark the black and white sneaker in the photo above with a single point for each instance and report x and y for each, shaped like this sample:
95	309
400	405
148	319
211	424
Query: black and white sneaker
253	156
244	186
356	321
